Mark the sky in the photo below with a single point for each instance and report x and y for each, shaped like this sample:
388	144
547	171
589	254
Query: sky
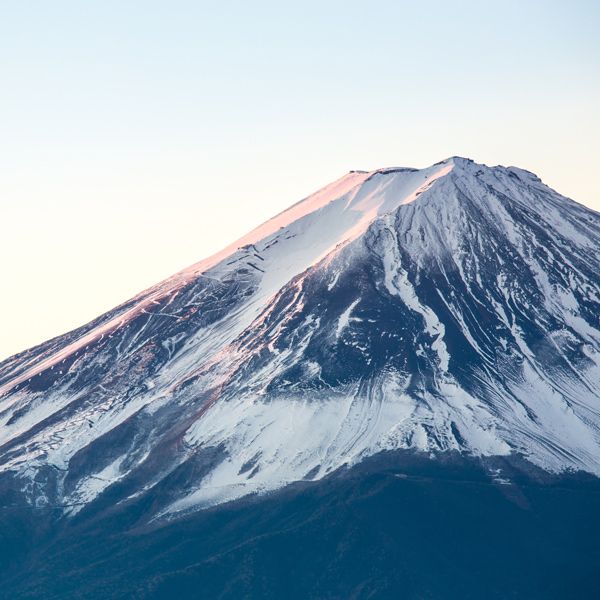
138	137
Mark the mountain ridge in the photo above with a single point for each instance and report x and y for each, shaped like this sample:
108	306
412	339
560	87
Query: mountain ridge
442	309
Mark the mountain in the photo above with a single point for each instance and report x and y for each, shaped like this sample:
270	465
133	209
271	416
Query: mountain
410	329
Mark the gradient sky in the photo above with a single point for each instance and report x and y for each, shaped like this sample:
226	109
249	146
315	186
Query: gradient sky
137	137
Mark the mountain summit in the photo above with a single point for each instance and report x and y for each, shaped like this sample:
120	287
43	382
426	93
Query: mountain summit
452	309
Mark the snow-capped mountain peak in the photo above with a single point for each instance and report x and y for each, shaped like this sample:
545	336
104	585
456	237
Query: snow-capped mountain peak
451	308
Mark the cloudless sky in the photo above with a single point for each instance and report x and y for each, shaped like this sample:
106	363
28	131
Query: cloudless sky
137	137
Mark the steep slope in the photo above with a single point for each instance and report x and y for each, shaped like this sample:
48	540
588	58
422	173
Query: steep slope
453	308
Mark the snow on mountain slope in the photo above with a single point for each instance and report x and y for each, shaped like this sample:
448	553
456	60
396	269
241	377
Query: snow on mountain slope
334	214
449	308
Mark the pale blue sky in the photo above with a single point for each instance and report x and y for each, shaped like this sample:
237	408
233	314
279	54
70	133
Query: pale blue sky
139	137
